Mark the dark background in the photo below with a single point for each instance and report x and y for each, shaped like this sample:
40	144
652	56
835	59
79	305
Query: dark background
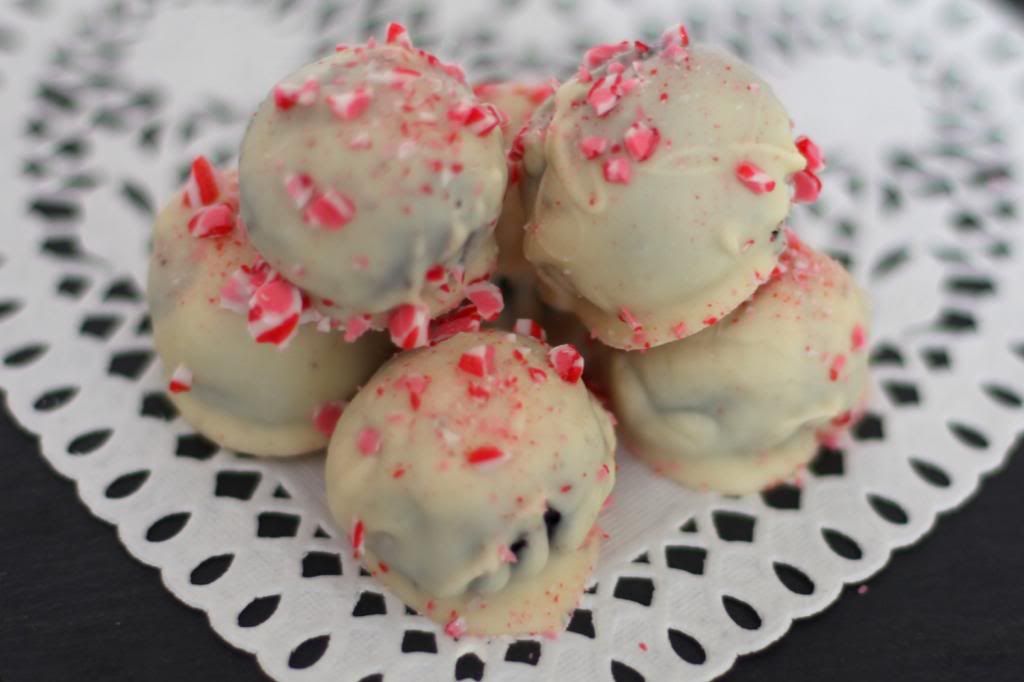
75	606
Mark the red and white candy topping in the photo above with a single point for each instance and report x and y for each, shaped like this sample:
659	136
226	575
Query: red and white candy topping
181	380
326	416
408	326
274	312
567	362
526	327
618	171
487	298
358	537
397	34
203	186
461	320
368	441
806	187
288	96
641	141
212	221
753	178
456	627
479	361
330	210
485	456
349	106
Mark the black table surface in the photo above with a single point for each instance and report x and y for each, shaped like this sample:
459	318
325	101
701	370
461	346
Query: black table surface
75	606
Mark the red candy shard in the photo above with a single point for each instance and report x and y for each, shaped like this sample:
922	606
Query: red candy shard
326	416
487	298
567	362
754	179
812	153
858	338
300	189
599	54
349	106
526	327
274	311
836	369
593	147
400	76
478	361
416	385
456	627
408	326
477	391
641	141
398	35
605	94
458	321
710	321
212	221
435	273
181	380
806	187
287	96
485	455
368	441
675	35
506	555
330	210
480	119
679	331
203	187
358	536
618	171
356	326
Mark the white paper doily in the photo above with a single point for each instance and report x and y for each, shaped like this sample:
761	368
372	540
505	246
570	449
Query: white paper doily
918	105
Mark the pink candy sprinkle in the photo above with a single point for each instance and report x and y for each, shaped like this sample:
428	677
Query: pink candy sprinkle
408	326
604	472
604	95
806	187
598	55
326	416
461	320
675	35
487	298
212	221
618	171
506	555
679	331
812	153
593	147
478	361
274	312
858	338
181	380
526	327
754	179
641	141
416	385
300	189
537	375
355	327
837	368
455	628
358	537
330	210
486	455
398	35
203	187
349	106
368	441
567	362
401	76
305	95
480	119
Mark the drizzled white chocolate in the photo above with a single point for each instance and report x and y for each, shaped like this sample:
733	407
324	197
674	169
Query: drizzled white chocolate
746	402
465	470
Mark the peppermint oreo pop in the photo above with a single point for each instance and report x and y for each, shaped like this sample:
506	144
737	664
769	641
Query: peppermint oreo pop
470	475
242	365
658	189
745	403
373	179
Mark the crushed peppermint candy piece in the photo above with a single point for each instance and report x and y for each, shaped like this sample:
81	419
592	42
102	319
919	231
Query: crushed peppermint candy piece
458	321
398	35
487	298
599	54
567	362
480	119
355	327
326	416
212	221
408	326
456	627
368	441
358	537
478	361
527	327
300	189
203	186
349	106
593	147
181	380
812	153
618	171
486	455
605	94
416	385
806	187
836	369
236	292
506	555
641	141
274	311
858	338
754	179
330	210
305	95
675	35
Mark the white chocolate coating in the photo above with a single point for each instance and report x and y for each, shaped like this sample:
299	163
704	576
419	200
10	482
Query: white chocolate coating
655	236
250	397
415	167
745	403
469	487
518	102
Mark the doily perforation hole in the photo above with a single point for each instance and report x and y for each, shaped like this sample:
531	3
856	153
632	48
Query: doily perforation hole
9	308
937	358
684	558
370	604
828	462
623	673
122	290
282	494
240	485
167	527
277	525
956	321
931	473
130	364
885	354
89	442
25	355
968	435
211	570
842	544
901	393
686	647
639	590
317	564
741	613
258	611
100	326
126	485
73	286
158	406
525	651
195	446
309	652
582	623
1003	395
889	510
419	641
794	580
784	496
469	667
734	526
870	427
55	398
64	248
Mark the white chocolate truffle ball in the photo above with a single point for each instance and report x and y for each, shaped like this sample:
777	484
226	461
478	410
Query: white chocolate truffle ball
517	101
744	404
660	185
277	397
373	179
470	475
